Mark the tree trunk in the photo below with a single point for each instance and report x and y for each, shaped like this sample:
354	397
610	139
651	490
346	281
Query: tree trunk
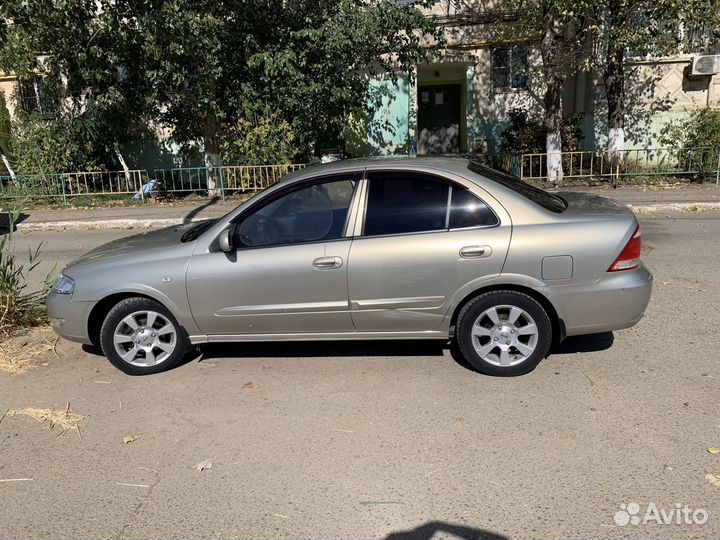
213	160
614	78
553	95
121	159
9	168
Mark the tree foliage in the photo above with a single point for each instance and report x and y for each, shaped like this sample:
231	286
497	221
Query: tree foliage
200	67
65	144
527	134
700	129
645	27
266	141
559	30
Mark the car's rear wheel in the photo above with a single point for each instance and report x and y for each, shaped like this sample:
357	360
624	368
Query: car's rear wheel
140	336
503	333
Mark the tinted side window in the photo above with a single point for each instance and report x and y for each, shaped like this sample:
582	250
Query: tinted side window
405	203
309	214
466	210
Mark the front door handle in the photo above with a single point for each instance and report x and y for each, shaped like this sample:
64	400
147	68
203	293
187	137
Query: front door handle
475	252
327	263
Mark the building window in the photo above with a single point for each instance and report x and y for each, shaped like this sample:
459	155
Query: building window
35	97
510	67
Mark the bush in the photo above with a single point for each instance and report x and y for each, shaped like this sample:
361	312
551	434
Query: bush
42	145
17	308
527	134
700	128
267	141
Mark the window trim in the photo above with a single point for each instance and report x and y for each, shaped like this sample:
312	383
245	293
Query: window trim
360	230
494	213
356	176
511	51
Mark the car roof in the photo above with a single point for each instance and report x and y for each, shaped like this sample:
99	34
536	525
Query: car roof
457	165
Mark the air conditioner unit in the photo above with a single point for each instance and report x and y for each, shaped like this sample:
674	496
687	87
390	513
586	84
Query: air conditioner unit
708	64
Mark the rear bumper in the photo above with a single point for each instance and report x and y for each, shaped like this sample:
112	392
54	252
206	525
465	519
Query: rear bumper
615	302
69	318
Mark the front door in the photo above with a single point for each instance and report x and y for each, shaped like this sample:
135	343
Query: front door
439	119
288	273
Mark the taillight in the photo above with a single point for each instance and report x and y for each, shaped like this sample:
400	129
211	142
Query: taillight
629	257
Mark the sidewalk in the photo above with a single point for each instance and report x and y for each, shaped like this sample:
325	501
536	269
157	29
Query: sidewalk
146	216
643	199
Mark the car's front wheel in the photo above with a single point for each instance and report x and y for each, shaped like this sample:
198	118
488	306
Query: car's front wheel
140	336
503	333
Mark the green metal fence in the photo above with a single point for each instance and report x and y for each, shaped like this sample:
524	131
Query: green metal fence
220	181
223	180
701	162
68	185
249	178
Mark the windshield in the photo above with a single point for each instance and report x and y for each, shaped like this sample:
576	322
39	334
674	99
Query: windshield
194	232
539	196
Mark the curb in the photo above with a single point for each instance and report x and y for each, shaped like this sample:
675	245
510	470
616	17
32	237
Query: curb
108	224
674	207
78	225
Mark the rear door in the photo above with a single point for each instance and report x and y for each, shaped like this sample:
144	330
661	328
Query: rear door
423	237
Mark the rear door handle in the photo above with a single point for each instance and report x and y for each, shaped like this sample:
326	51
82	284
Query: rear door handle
327	263
475	252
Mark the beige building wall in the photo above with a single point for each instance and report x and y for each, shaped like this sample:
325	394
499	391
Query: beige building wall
8	86
659	93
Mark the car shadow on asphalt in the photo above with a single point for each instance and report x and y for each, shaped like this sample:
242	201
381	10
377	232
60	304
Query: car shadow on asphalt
429	529
584	344
329	349
379	348
308	349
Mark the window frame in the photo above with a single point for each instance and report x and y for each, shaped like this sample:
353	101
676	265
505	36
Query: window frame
34	97
352	175
512	51
452	184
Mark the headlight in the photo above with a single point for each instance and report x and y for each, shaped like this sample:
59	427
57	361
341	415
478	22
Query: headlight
63	285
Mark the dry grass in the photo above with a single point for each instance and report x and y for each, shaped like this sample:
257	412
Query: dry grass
20	353
64	419
20	313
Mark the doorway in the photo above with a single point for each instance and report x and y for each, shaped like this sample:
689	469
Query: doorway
439	116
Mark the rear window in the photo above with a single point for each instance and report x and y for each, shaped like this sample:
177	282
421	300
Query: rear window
539	196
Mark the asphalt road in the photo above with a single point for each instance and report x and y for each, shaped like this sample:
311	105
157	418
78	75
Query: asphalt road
370	440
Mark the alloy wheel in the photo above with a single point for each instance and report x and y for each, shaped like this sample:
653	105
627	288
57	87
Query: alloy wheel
504	335
145	338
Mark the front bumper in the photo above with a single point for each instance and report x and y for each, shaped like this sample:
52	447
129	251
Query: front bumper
616	301
69	318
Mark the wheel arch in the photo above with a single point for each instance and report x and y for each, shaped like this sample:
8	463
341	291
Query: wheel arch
102	308
557	324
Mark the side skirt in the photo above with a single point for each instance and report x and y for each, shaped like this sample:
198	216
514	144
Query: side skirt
338	336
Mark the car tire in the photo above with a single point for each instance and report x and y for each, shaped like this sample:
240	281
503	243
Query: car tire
503	333
140	336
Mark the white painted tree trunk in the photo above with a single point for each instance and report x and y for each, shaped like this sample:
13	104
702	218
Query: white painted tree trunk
124	166
213	161
616	146
6	161
553	148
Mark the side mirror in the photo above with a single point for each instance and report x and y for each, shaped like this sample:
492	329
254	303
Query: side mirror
225	240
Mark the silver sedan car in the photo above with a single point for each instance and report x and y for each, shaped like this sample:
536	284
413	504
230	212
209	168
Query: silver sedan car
423	248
